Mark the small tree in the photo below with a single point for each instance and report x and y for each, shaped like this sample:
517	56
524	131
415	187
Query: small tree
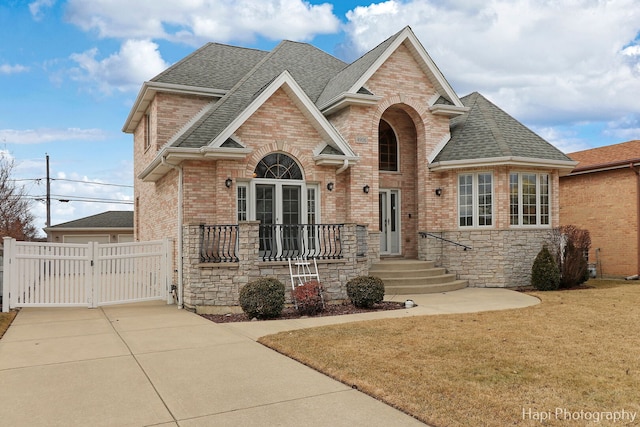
570	245
545	275
16	219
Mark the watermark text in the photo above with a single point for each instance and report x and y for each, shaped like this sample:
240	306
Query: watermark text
565	414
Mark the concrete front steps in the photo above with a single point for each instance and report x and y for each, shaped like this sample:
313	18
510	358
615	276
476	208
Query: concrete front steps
406	277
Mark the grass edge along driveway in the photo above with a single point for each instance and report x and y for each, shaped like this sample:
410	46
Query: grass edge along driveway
574	359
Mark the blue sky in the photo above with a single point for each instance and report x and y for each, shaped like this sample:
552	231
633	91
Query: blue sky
70	70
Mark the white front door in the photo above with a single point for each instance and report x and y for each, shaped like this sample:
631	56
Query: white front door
389	204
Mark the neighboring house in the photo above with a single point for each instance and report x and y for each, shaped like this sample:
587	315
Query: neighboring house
106	227
602	195
247	158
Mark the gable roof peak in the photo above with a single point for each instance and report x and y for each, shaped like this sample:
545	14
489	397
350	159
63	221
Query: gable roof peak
355	75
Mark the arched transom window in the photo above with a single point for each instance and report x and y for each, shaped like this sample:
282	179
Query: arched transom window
387	148
278	166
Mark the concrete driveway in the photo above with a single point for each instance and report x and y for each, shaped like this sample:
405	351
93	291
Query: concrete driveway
150	364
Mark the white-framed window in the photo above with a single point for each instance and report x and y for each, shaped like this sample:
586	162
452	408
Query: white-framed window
242	201
529	195
147	131
475	199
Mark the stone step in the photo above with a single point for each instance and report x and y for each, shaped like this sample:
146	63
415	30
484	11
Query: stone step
392	274
420	280
405	277
390	291
402	264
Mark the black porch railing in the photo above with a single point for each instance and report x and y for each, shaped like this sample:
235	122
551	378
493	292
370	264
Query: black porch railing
279	242
424	235
219	243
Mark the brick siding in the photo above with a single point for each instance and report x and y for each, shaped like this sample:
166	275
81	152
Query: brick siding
605	203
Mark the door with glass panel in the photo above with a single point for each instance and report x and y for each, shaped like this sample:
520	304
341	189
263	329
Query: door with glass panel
279	210
389	222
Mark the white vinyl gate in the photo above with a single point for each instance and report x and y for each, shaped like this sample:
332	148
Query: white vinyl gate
89	275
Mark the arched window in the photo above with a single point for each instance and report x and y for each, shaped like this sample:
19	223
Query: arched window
387	148
278	166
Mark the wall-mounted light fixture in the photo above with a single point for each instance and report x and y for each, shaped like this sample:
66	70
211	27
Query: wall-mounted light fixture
366	189
438	191
330	186
228	182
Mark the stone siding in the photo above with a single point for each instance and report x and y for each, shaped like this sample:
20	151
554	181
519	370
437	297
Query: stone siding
497	258
215	287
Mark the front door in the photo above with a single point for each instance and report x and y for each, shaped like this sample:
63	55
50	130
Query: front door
279	209
389	204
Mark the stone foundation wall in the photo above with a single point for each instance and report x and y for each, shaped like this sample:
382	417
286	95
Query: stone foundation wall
215	287
497	258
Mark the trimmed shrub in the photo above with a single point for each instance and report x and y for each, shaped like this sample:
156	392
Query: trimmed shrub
307	298
545	275
262	298
365	291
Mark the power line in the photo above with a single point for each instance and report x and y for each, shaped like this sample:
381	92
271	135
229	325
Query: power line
92	183
65	199
71	180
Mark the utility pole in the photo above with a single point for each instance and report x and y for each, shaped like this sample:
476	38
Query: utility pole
48	195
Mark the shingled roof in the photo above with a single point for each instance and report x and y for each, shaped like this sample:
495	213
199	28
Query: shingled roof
610	156
487	132
109	219
214	66
310	67
350	74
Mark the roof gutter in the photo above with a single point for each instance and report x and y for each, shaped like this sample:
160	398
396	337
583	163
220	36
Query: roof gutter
159	166
564	166
180	227
600	167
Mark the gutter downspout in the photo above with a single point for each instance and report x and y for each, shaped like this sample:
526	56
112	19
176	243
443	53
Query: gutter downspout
180	231
343	168
637	172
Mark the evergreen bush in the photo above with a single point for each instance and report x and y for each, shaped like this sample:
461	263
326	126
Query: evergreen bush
262	298
365	291
545	275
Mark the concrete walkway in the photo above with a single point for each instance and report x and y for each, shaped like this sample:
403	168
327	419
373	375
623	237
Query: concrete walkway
150	364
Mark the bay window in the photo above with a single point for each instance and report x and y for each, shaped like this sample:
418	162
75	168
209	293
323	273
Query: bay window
475	200
529	199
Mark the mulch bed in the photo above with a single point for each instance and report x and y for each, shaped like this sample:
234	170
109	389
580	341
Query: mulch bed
292	313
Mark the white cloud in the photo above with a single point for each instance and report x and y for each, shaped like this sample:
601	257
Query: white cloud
36	8
197	21
565	140
40	136
13	69
626	128
543	62
137	61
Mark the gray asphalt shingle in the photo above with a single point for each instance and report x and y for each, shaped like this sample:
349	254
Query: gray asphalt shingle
486	131
109	219
310	67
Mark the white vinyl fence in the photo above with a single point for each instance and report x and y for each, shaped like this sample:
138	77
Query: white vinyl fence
89	275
